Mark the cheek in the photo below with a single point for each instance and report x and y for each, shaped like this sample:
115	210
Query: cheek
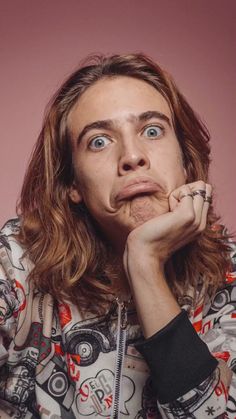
174	172
94	176
179	165
180	176
92	189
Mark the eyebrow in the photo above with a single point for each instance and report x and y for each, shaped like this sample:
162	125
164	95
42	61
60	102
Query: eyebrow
109	124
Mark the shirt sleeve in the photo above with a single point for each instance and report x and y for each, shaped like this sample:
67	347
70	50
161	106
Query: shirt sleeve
176	355
9	303
194	374
187	379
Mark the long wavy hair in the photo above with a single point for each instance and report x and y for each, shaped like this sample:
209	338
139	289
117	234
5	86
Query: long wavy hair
70	258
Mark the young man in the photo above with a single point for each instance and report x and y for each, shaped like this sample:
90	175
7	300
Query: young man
116	261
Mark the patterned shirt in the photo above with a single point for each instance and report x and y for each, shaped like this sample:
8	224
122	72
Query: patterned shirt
56	363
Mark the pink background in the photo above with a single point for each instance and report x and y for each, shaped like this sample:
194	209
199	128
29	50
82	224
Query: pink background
42	41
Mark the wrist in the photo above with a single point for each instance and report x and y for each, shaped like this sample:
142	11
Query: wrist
145	253
144	267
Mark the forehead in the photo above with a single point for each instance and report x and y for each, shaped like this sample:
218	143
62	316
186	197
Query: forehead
116	98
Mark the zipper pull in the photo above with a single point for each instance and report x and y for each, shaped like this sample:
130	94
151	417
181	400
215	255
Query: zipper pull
123	317
122	309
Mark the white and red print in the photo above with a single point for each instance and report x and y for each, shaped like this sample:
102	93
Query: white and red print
55	364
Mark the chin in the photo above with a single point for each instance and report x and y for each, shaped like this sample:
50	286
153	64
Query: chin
132	216
143	209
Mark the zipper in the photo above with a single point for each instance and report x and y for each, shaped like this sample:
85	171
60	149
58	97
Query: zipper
120	353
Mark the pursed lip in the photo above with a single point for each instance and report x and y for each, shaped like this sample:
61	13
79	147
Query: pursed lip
137	186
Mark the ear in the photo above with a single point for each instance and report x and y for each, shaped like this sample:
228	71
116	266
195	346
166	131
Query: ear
74	194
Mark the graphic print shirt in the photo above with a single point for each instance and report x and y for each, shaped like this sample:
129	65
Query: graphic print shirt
54	363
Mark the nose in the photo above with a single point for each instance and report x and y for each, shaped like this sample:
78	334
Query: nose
132	158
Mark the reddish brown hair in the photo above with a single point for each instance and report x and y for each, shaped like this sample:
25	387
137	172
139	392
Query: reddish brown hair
70	258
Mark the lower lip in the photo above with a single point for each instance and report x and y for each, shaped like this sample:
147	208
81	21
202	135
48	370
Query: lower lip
136	189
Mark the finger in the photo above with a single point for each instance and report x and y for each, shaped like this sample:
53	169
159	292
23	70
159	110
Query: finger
199	193
181	196
206	206
184	210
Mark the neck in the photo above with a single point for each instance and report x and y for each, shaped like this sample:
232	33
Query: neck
121	286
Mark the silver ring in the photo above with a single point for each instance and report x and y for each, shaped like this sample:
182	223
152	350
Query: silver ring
186	194
208	199
200	192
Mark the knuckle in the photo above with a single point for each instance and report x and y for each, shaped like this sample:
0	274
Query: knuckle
201	184
209	187
189	217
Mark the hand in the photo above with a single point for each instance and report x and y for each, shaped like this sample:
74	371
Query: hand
150	245
161	236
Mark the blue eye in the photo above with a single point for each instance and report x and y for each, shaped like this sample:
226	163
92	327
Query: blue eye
99	143
153	131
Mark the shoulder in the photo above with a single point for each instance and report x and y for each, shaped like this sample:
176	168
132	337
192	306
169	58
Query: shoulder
15	265
8	238
228	240
232	245
11	227
9	247
223	303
